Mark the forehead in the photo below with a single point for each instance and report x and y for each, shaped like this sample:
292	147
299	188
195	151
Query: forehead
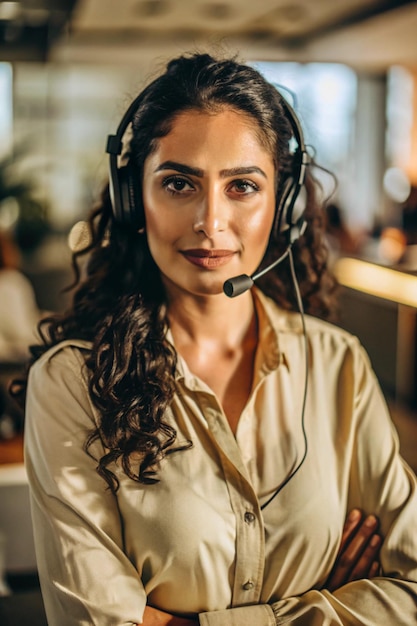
224	132
189	116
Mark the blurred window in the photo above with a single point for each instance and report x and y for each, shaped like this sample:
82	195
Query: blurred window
399	117
6	108
325	100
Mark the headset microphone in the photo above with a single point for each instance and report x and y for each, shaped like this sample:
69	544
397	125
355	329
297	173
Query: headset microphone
239	284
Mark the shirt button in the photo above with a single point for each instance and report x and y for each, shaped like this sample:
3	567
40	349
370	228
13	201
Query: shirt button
248	585
249	517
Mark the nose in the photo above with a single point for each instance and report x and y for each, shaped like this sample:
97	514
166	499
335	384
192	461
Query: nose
211	214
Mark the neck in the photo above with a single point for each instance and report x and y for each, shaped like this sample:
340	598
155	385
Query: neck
215	319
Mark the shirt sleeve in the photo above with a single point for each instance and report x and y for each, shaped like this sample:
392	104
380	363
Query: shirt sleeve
86	577
380	483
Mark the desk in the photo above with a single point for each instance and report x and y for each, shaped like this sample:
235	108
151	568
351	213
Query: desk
15	519
379	305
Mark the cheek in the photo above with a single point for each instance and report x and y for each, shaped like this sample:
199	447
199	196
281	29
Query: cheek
260	226
158	222
158	231
163	233
163	223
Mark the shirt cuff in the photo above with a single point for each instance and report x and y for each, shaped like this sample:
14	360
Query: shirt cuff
259	614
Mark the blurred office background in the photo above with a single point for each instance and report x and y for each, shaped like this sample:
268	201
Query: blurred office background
68	70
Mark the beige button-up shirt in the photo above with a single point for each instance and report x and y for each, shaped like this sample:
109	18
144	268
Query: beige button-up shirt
199	541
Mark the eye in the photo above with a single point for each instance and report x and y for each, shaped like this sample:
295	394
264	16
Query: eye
177	185
243	187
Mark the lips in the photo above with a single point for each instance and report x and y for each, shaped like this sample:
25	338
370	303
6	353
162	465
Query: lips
209	259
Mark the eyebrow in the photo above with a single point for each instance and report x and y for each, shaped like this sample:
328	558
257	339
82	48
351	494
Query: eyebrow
196	171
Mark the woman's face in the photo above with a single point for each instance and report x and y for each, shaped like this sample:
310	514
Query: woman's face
209	200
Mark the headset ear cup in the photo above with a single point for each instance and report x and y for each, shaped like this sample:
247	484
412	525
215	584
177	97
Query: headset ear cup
284	206
131	205
290	219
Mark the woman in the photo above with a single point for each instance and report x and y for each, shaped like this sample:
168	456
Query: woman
168	425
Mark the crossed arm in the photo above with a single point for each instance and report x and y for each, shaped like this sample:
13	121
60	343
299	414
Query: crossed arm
357	558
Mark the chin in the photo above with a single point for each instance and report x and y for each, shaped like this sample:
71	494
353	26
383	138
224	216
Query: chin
207	288
195	288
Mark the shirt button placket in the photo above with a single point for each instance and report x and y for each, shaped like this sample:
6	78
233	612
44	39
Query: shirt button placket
250	519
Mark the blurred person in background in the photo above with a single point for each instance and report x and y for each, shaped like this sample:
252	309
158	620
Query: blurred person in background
19	316
19	313
341	240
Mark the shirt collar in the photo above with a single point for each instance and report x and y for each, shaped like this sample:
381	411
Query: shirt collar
270	351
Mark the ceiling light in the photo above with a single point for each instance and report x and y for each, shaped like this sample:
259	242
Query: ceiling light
9	10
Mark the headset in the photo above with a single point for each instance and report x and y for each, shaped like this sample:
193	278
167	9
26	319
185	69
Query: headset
124	185
289	217
126	192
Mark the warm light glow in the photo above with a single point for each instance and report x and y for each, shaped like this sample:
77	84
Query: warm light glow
392	245
377	281
412	164
397	184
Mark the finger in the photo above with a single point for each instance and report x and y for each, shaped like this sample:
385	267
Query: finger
364	569
352	523
375	569
359	542
352	550
367	560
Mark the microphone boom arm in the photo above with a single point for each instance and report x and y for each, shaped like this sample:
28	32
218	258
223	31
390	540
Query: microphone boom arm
239	284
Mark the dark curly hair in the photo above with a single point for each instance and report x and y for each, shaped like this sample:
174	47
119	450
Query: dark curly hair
119	302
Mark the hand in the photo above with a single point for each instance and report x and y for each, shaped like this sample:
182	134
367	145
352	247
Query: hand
358	555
